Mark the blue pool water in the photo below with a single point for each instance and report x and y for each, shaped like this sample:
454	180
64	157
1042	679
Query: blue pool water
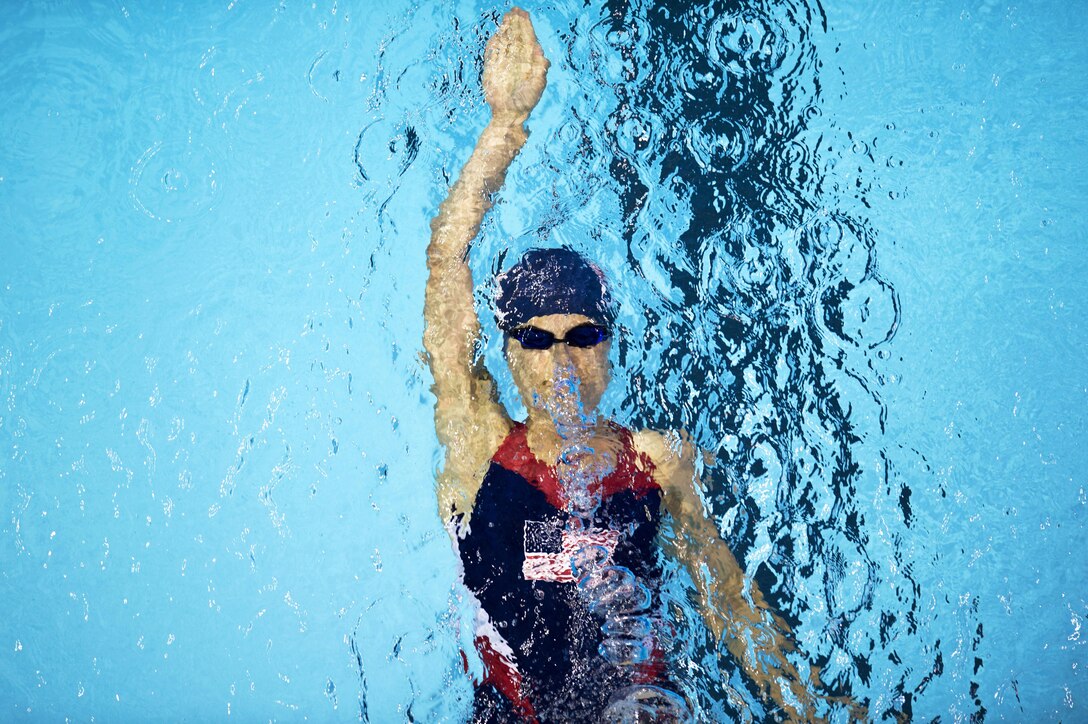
848	242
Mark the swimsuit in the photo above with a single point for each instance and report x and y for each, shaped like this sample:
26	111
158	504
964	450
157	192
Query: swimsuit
538	641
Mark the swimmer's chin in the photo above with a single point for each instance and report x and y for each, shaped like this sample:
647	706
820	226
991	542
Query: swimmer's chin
563	413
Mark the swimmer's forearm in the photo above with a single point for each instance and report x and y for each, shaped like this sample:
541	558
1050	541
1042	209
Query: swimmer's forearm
758	640
735	611
470	198
739	618
732	605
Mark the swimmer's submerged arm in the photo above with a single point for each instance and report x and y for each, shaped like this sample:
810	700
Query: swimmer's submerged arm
732	606
468	417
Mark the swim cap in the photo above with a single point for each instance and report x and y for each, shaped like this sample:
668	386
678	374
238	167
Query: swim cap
551	281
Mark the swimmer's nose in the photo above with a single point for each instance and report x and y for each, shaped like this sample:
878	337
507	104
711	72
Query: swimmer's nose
561	350
562	359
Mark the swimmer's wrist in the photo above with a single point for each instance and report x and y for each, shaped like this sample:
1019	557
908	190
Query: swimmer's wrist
508	129
508	118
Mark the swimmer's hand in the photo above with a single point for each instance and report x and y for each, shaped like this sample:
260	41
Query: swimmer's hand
515	69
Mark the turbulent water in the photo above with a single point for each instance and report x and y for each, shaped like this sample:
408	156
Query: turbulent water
686	150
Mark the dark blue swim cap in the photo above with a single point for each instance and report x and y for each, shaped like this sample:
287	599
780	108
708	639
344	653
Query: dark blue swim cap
551	281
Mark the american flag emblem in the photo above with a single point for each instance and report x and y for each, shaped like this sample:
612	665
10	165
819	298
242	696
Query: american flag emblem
548	550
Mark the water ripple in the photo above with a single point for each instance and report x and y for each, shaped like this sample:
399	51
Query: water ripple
734	218
174	181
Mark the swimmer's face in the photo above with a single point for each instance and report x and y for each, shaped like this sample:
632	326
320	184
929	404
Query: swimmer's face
562	381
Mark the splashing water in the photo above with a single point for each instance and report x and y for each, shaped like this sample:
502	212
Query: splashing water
611	592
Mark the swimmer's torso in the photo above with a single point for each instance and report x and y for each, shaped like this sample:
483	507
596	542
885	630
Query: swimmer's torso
538	641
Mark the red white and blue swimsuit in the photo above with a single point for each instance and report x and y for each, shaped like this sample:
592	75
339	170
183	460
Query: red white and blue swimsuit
538	642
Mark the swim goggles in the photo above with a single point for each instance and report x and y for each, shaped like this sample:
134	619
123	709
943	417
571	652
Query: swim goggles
584	335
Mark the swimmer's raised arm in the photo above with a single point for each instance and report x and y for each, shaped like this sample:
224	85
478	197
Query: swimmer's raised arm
468	417
732	605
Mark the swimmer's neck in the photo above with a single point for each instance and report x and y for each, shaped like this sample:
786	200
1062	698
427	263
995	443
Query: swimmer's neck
547	444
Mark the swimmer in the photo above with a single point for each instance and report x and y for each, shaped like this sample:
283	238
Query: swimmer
501	490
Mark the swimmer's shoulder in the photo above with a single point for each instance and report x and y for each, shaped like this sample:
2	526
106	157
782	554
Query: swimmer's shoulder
675	457
670	452
467	459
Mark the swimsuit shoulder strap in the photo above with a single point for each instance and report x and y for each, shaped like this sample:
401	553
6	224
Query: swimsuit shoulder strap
634	471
